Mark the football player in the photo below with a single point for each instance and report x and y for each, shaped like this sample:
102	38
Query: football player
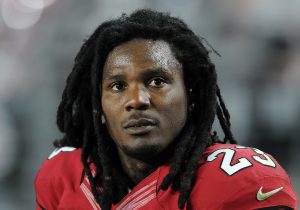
137	114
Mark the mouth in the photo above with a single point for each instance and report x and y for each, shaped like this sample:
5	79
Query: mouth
140	126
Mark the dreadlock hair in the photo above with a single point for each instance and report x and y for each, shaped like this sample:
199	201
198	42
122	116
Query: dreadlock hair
79	113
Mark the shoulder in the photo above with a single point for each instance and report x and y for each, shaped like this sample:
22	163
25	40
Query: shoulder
61	161
233	159
243	173
61	170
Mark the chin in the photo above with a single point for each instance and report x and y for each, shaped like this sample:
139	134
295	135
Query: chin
143	152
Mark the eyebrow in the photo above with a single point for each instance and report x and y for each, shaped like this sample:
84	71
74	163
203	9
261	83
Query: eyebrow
154	72
145	74
117	76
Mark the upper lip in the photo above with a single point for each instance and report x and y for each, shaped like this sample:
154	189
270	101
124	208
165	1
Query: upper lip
139	121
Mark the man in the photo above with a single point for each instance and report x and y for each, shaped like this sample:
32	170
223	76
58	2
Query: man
137	113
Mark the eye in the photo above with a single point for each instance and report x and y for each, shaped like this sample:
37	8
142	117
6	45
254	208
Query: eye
118	86
157	82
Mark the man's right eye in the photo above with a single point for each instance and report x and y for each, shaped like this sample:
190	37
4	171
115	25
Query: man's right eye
117	86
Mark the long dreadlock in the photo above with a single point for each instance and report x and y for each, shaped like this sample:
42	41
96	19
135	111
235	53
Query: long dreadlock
79	113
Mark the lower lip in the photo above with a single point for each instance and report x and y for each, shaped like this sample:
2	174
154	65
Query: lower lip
139	130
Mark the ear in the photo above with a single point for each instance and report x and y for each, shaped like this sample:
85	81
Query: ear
103	121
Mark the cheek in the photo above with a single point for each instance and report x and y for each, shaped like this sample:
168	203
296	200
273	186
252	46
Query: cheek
110	105
175	108
114	131
110	109
105	107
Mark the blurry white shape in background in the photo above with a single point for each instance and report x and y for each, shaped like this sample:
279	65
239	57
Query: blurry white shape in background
37	4
33	4
19	14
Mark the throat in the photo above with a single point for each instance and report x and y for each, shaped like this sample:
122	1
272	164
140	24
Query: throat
137	170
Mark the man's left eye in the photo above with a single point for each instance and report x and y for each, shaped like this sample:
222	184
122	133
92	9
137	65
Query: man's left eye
157	82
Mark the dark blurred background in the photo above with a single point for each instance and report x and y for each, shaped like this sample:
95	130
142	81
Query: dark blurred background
259	43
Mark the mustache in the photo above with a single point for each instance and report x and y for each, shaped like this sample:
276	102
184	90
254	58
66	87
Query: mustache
139	117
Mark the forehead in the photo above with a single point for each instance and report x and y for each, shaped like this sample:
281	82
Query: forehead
144	53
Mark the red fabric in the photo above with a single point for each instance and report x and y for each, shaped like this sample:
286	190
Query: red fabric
58	184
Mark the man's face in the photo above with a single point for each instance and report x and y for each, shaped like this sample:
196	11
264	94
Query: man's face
143	97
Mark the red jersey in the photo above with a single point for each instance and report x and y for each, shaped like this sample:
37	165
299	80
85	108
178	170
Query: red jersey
230	177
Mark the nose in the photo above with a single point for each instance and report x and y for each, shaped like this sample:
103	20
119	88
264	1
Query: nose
138	99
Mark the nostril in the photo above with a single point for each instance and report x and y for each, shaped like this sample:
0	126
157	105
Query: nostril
141	107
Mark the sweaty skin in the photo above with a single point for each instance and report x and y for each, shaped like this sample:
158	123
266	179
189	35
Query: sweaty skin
144	103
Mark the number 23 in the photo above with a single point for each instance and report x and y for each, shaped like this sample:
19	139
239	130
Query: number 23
242	163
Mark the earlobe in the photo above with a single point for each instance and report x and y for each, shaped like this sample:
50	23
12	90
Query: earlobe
103	119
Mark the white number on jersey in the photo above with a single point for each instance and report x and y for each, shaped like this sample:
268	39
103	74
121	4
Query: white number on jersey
268	161
232	168
226	162
59	150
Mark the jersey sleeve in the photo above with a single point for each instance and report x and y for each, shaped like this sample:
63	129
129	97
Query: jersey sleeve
236	177
53	177
266	192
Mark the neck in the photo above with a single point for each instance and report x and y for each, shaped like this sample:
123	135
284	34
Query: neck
136	169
